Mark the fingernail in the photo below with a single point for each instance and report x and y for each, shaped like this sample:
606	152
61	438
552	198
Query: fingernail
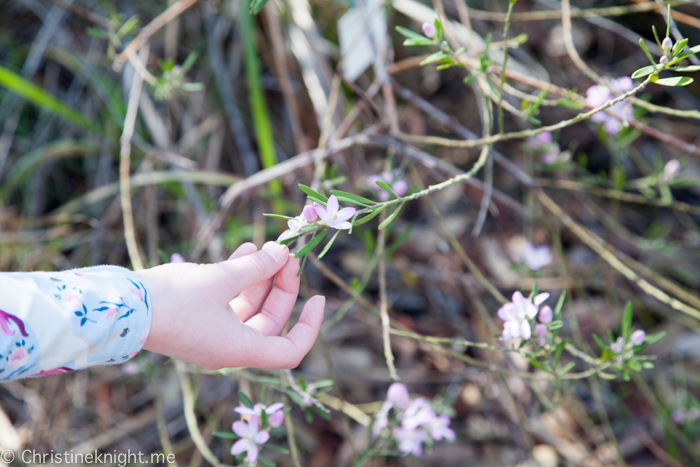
276	251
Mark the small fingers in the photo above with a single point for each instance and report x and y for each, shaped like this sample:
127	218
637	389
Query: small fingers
243	250
286	352
280	302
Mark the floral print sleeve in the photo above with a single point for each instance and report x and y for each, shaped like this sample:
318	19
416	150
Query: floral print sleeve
55	322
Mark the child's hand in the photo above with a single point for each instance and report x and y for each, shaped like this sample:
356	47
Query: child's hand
228	314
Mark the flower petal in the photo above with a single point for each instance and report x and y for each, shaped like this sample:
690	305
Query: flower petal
525	330
540	299
372	181
506	312
276	419
322	213
274	408
261	437
252	454
342	226
400	187
240	446
332	206
240	428
345	214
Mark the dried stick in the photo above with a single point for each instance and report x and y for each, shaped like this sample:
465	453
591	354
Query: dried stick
124	166
151	28
383	306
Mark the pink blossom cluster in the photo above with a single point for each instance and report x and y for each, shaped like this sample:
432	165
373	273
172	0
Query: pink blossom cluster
331	215
601	93
252	436
415	421
391	178
518	314
551	151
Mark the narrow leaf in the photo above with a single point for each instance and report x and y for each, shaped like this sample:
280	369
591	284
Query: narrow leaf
626	327
313	243
245	400
675	81
385	186
369	217
389	219
312	193
328	245
350	197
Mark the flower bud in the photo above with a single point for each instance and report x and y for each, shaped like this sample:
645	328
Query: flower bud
177	258
429	30
637	337
546	314
445	46
309	213
667	44
541	330
663	60
617	345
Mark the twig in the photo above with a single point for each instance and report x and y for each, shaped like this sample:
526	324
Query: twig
124	169
603	250
569	43
191	417
383	307
151	28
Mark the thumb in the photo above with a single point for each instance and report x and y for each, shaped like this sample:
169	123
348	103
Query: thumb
238	274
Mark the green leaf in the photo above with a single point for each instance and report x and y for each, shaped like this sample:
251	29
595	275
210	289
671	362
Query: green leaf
226	435
266	462
37	96
409	34
352	198
324	415
554	325
312	243
678	47
600	343
434	57
328	245
558	351
644	71
651	339
626	325
647	365
570	104
685	69
256	6
276	448
369	217
539	365
389	219
646	51
567	368
385	186
244	400
128	26
634	365
313	193
607	376
674	81
277	216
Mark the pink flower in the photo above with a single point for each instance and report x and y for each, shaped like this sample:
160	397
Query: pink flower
539	140
439	428
275	414
670	170
429	30
334	217
18	358
536	257
516	315
410	440
546	315
251	438
397	394
637	337
600	94
418	413
399	186
541	332
177	258
309	213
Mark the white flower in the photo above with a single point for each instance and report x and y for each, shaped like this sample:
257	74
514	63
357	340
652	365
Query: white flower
536	257
275	415
334	217
251	438
295	225
516	315
410	440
